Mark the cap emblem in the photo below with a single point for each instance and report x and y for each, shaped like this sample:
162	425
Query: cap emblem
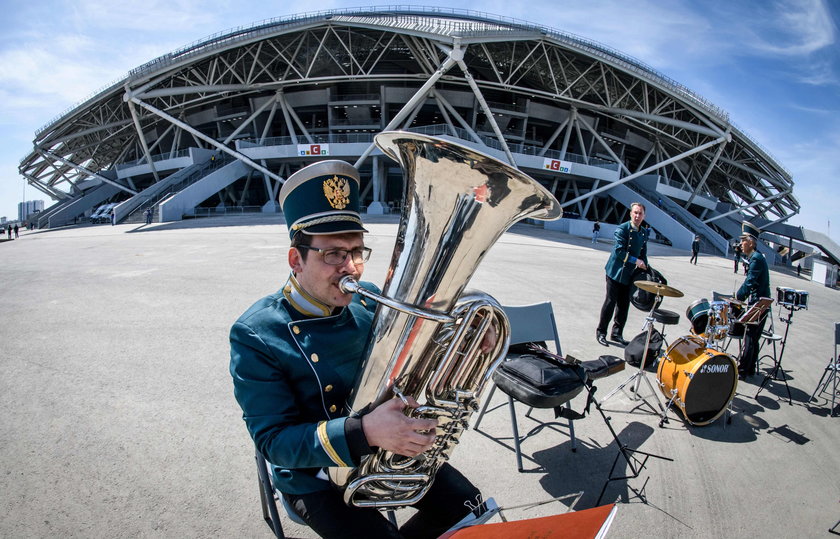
337	191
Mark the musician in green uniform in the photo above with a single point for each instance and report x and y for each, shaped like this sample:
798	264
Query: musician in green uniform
294	359
629	252
756	285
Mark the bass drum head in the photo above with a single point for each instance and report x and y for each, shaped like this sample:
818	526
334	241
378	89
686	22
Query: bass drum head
701	379
698	314
710	390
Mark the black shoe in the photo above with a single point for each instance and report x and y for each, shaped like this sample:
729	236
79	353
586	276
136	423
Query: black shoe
620	340
602	339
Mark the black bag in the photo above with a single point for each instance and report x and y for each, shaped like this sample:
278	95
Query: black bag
539	382
642	299
633	352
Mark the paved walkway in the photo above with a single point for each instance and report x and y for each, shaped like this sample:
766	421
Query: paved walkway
119	419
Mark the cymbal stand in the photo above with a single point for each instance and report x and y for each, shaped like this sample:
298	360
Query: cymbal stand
637	377
636	460
778	366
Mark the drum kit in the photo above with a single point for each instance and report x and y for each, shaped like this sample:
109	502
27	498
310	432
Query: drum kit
695	373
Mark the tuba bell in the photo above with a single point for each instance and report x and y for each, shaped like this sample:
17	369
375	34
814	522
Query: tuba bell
427	332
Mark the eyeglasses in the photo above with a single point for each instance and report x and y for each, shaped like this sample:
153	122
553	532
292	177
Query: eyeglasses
337	257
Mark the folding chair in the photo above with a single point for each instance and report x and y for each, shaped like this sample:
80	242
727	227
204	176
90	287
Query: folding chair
528	323
269	497
769	338
830	377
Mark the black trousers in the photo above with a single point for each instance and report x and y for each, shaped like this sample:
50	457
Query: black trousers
693	257
749	354
442	506
617	302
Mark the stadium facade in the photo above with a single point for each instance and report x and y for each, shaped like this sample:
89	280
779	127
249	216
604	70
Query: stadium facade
217	126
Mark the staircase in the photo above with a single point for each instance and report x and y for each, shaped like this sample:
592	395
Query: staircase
139	217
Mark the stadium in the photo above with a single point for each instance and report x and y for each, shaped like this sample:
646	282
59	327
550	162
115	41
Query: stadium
215	127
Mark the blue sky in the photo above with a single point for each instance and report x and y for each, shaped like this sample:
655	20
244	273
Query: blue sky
774	65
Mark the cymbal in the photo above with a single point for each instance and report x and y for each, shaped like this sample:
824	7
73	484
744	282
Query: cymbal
735	301
659	289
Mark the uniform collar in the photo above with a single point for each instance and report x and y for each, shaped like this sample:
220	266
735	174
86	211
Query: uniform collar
302	301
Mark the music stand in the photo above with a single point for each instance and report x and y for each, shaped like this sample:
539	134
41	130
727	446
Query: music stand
831	378
637	377
634	462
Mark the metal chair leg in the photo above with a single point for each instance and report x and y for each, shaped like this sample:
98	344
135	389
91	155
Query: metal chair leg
515	433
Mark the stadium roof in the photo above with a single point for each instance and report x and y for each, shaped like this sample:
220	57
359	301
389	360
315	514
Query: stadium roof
708	155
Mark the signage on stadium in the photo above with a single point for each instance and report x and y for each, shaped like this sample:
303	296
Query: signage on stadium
313	149
557	166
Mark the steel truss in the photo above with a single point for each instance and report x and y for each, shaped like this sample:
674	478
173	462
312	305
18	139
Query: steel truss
605	105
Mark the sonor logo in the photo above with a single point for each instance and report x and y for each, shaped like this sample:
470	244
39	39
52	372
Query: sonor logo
714	369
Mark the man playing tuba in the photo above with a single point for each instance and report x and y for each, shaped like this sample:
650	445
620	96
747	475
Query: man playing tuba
294	358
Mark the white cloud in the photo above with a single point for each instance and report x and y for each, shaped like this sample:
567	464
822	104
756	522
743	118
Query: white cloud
816	179
797	28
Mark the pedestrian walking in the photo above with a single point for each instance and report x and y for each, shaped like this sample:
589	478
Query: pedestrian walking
695	249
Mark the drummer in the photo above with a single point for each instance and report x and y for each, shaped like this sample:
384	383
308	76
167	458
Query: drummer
756	285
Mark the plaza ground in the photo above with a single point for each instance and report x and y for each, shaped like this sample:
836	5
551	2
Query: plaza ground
119	418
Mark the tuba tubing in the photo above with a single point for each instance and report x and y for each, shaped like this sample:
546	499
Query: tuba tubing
426	333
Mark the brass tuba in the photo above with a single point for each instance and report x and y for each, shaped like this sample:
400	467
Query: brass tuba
426	334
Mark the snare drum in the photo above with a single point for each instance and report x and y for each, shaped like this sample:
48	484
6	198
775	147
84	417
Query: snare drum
701	380
698	314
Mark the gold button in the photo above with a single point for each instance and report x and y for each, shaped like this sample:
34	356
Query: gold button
295	329
328	388
314	358
363	302
332	408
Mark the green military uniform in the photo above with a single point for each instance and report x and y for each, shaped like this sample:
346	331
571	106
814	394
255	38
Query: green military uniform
630	246
756	285
292	373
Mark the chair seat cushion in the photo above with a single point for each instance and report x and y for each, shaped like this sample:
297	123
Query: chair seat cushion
538	382
603	366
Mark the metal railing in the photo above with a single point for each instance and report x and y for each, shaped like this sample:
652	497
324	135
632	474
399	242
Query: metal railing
155	159
524	149
334	138
223	211
200	171
354	97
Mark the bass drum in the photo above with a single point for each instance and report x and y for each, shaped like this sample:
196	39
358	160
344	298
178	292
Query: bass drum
704	379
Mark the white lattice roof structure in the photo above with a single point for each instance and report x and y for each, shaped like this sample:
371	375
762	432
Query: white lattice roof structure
522	91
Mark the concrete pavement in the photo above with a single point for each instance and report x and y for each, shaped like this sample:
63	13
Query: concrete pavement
119	418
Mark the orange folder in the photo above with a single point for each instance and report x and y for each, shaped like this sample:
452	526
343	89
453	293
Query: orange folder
589	523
